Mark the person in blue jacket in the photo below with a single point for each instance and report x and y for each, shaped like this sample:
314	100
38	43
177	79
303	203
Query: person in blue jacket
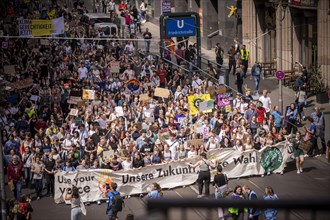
270	213
156	191
253	213
115	202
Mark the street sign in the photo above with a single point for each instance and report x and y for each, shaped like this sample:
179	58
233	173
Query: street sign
280	75
166	6
180	27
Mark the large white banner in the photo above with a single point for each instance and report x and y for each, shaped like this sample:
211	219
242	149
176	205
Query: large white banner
91	183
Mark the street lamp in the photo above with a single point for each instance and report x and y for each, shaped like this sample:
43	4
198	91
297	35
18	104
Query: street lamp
281	6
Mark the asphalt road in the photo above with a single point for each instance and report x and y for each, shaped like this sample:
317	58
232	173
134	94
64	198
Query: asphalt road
312	183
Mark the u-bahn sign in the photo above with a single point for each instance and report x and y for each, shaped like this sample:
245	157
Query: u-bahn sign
180	27
180	24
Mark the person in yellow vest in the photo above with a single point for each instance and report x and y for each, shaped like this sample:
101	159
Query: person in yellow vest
236	213
244	57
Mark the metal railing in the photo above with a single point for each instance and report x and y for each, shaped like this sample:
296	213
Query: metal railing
160	208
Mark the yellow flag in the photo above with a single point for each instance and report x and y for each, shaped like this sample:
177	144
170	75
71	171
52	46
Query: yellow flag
194	101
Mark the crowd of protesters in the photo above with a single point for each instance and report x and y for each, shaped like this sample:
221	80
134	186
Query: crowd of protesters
41	137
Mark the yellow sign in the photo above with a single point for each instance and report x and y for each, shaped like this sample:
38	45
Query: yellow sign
88	94
194	101
41	27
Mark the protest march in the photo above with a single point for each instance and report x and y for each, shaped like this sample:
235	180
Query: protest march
78	109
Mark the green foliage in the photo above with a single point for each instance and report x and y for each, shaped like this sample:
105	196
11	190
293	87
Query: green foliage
315	79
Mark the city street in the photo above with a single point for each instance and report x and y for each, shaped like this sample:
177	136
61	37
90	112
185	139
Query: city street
312	183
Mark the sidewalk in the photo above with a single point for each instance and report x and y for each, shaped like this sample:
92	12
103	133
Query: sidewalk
270	83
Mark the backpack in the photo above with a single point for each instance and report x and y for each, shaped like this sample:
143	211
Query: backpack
117	203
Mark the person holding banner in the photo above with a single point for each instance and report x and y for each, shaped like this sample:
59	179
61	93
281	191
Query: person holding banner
115	202
204	175
75	203
298	152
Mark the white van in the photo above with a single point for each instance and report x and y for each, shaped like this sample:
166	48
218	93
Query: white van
109	29
90	19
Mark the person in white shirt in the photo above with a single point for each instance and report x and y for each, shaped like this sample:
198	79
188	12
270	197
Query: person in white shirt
96	71
196	82
238	146
127	164
143	11
265	100
111	7
82	72
243	106
129	72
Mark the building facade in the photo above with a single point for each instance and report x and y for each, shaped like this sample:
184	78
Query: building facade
290	30
287	30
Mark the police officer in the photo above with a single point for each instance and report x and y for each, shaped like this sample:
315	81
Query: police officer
244	57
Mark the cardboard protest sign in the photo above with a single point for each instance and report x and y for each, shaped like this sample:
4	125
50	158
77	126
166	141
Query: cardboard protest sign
228	108
195	100
211	90
203	106
222	89
107	155
115	66
144	98
119	111
22	84
206	131
195	142
34	98
206	105
74	112
163	93
223	100
74	100
9	69
88	94
133	84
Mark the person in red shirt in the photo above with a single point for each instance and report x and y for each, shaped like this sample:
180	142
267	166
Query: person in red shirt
162	76
261	113
15	172
40	124
122	6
